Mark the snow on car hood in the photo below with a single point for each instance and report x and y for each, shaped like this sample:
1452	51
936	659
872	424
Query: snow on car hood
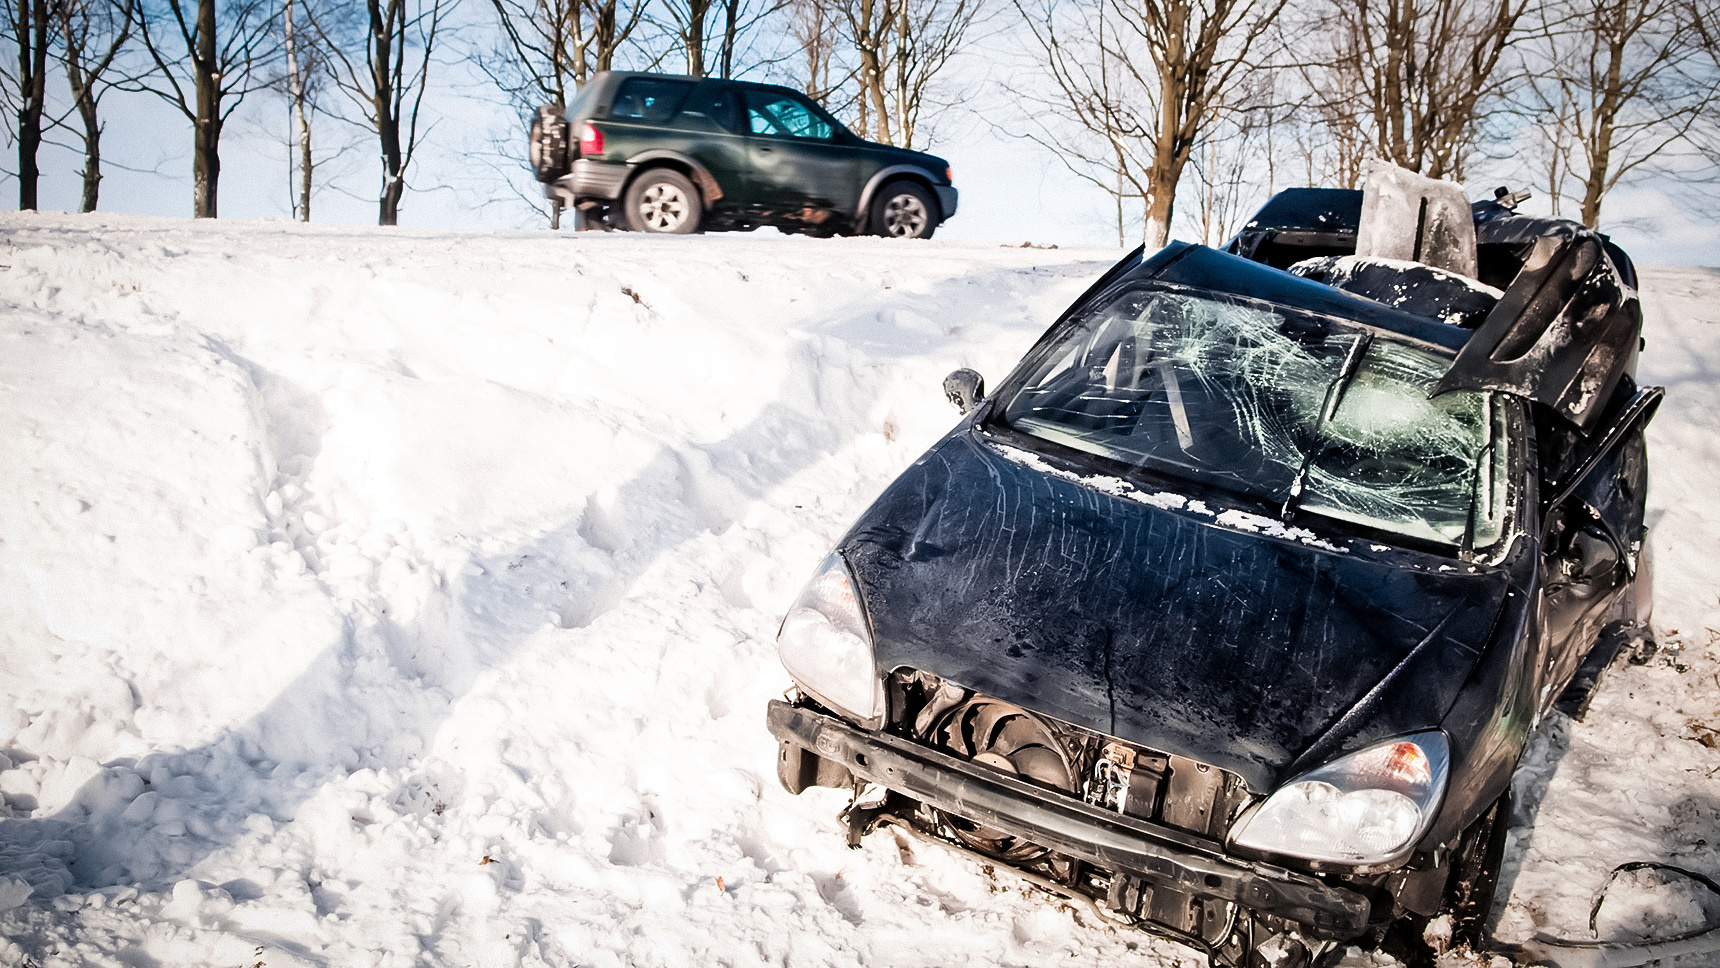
1167	626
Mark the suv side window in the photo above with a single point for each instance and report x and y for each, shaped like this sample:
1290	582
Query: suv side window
786	116
649	99
719	102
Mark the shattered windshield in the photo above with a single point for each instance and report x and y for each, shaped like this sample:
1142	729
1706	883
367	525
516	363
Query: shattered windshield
1304	412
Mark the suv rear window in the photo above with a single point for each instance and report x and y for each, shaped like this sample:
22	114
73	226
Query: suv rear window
717	102
649	99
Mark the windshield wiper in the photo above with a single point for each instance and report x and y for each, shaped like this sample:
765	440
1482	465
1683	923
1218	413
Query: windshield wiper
1467	547
1328	409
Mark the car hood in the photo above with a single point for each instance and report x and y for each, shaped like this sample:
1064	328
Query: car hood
907	156
1220	636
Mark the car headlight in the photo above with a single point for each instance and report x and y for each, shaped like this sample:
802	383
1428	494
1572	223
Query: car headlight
825	645
1365	810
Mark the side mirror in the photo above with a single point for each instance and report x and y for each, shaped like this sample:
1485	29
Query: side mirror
965	389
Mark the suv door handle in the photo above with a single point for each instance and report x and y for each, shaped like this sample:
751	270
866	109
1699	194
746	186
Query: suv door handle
764	147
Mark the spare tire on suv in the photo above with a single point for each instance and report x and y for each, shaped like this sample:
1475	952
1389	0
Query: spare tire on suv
549	144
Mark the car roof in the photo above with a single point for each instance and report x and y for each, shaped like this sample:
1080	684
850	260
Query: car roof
1198	266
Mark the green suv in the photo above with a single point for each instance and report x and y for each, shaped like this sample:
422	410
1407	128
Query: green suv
669	154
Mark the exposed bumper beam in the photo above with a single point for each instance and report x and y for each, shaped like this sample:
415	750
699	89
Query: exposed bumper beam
1158	855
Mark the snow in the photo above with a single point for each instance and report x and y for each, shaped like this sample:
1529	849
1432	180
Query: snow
395	598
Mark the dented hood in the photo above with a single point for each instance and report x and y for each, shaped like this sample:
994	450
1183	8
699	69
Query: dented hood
1218	636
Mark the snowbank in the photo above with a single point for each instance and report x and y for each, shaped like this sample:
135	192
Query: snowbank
394	598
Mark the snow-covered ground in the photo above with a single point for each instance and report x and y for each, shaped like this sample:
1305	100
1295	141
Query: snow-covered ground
385	599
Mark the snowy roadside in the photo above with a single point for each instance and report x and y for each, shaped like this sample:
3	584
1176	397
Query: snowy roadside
384	599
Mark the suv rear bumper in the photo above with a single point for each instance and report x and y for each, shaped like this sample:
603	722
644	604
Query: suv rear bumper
1156	854
947	198
589	179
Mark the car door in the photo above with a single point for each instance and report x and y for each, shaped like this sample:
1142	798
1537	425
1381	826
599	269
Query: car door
798	165
1592	536
714	112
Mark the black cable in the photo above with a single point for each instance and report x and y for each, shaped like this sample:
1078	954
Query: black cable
1644	865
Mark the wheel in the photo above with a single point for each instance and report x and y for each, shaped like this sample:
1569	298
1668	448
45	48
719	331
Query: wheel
663	201
549	144
904	210
1475	872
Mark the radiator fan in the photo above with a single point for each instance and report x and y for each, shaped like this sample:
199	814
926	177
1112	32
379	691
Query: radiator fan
1011	740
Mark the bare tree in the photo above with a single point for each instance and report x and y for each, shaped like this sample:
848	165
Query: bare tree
1232	168
1414	74
812	27
550	47
206	59
387	86
26	86
93	33
903	46
1130	86
1616	82
300	80
691	27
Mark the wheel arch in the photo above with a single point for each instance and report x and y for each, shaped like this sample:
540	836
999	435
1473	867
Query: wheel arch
664	158
893	173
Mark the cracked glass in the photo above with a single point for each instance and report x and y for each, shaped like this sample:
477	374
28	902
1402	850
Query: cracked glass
1306	413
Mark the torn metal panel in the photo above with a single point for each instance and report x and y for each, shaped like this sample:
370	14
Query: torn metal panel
1563	334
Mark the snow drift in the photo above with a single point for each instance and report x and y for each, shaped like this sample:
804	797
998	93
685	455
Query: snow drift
395	598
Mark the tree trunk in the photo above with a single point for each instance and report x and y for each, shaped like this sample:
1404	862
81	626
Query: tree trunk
1613	33
730	9
696	11
301	123
1161	204
386	32
206	137
92	152
82	86
32	39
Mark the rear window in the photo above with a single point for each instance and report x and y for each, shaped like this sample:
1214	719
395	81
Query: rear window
717	102
649	99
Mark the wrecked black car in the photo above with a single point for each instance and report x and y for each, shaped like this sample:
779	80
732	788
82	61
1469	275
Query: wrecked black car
1231	611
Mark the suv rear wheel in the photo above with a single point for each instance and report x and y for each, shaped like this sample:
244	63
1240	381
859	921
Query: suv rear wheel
904	210
663	201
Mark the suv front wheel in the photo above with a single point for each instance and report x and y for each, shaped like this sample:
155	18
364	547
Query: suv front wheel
663	201
904	210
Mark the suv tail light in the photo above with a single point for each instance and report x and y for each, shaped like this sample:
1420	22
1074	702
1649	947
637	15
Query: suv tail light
590	140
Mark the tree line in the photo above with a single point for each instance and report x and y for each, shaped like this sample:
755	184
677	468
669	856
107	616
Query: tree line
1176	109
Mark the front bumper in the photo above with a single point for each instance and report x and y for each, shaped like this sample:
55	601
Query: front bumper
587	180
1158	855
947	198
